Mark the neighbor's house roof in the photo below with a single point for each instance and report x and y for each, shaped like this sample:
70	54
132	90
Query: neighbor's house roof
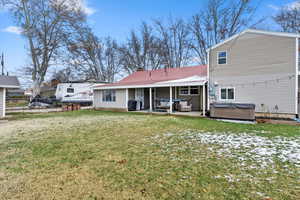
256	31
183	76
9	82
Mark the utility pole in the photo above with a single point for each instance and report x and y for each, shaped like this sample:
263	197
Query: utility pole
2	64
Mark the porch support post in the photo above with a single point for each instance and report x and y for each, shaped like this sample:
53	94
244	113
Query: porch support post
150	100
171	104
126	99
203	100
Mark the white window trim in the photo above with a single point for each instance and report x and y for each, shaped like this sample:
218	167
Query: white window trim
199	91
188	88
189	91
225	57
220	94
103	93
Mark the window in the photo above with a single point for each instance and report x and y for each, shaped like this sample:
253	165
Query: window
70	90
227	94
222	57
109	96
192	90
184	91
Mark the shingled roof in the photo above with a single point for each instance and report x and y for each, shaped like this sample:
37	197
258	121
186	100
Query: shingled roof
9	82
154	77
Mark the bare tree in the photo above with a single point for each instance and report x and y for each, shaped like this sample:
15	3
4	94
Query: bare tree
219	20
92	57
289	19
44	23
142	50
174	37
64	75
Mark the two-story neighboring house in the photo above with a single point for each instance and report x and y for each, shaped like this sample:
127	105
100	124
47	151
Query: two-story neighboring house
258	67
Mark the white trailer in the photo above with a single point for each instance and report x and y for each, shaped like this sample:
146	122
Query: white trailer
81	93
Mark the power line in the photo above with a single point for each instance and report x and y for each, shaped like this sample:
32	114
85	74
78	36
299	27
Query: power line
255	83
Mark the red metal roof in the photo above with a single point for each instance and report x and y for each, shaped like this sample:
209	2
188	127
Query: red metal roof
154	76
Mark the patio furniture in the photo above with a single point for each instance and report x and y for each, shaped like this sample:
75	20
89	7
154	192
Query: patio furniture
162	106
184	106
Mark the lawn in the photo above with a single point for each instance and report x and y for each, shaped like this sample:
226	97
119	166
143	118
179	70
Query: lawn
106	155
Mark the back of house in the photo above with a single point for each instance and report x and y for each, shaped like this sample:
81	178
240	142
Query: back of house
253	67
257	67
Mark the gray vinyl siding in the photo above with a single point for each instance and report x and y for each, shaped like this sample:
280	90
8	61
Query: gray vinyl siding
262	70
163	93
131	94
120	102
2	103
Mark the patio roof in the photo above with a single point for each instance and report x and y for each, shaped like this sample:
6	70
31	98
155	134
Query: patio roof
184	76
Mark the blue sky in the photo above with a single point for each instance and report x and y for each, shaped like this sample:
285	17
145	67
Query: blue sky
114	18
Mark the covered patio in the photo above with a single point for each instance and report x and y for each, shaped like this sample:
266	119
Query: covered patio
183	97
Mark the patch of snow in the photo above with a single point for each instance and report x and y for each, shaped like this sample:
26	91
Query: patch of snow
247	147
237	121
252	151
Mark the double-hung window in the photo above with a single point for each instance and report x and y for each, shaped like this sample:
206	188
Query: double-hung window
184	90
222	57
189	90
109	96
227	94
194	90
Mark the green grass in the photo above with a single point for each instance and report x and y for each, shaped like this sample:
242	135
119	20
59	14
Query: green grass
109	155
17	104
203	124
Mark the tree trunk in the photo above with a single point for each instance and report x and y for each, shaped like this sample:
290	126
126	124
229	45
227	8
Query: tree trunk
36	90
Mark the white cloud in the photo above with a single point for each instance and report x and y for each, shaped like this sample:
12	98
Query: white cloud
293	5
89	10
81	5
289	6
273	7
13	29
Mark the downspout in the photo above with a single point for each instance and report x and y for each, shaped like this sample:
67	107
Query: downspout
296	77
208	80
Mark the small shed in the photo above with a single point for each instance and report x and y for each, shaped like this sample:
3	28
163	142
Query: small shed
6	82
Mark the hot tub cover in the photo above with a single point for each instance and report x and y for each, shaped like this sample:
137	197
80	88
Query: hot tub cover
233	105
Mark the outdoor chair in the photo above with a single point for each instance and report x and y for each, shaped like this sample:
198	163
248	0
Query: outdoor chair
184	106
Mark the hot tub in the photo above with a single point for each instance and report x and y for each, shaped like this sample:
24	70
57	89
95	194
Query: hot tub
232	111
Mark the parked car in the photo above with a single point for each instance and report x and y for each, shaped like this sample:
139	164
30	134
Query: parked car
41	102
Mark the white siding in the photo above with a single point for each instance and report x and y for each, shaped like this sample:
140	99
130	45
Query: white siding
262	70
2	102
120	102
